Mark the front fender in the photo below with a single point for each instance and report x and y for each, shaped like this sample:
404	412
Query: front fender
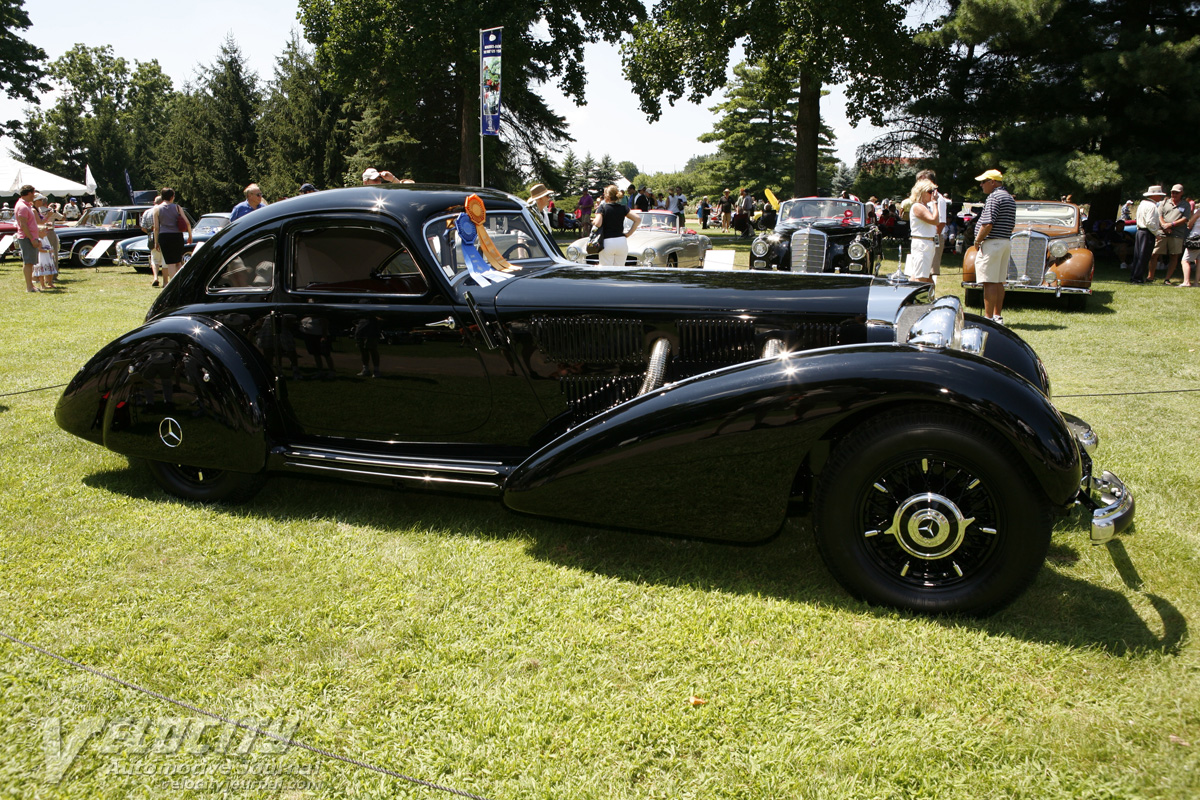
186	368
716	456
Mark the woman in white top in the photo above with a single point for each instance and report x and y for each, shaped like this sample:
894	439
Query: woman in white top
923	224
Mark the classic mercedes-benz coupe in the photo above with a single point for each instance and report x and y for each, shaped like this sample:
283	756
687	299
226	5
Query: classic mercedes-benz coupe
435	338
820	234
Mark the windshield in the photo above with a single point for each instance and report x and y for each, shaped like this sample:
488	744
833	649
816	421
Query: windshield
511	231
103	218
1060	214
211	223
818	208
656	221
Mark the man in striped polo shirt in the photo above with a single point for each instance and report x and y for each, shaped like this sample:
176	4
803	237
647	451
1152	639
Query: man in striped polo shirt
993	233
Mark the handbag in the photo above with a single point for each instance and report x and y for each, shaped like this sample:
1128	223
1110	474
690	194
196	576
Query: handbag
595	242
1193	242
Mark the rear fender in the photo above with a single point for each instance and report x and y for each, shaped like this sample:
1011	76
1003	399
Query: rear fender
715	456
188	369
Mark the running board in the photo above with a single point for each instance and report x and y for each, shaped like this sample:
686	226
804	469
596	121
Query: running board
485	477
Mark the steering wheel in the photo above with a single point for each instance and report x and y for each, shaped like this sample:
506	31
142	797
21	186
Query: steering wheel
519	246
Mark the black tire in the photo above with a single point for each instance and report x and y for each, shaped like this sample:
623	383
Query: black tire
931	512
82	246
205	485
973	297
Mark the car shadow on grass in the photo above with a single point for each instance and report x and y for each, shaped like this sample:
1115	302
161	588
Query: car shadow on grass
1058	609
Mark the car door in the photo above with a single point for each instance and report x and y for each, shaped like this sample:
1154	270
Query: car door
370	346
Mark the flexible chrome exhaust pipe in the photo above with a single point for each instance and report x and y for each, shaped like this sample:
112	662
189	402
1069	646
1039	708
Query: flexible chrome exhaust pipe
660	353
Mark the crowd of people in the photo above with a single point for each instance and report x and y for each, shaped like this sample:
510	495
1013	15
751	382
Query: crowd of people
1163	225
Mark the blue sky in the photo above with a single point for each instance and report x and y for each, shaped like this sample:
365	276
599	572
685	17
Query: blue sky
609	124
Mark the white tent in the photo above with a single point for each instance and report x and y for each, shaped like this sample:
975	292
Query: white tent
14	175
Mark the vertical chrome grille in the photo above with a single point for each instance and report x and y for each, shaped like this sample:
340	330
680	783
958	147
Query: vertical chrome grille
1027	257
588	395
808	250
720	341
589	340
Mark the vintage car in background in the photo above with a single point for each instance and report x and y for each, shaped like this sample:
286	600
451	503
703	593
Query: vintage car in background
1049	255
659	241
8	227
135	252
820	234
101	224
381	334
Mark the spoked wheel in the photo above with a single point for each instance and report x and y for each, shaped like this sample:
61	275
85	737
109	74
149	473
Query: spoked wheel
932	513
672	260
205	485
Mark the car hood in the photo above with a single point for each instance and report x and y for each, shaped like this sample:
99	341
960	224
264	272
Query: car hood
88	231
829	228
1053	231
579	288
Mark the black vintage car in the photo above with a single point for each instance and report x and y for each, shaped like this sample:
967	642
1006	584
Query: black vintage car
101	225
413	336
820	234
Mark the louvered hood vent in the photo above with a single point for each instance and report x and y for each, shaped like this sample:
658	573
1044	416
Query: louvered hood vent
589	340
716	341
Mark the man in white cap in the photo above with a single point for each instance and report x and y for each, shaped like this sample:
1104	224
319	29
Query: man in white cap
1148	228
374	177
993	240
539	201
1172	221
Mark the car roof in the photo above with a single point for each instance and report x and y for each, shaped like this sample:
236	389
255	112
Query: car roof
410	203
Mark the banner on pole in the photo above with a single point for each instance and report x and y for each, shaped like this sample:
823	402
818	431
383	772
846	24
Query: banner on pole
489	79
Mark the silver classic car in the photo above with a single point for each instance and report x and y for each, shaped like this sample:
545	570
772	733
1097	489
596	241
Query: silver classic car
660	241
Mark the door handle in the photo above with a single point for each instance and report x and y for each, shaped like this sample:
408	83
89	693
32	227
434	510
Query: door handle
448	322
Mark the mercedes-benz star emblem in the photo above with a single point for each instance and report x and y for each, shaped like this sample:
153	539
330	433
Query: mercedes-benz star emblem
170	432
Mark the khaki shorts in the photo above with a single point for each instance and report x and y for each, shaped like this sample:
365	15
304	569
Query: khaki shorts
1168	246
991	261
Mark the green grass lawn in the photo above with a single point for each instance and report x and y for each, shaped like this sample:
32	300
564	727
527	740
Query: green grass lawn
518	658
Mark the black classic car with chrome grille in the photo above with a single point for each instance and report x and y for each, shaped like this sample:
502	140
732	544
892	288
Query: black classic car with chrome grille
435	338
820	234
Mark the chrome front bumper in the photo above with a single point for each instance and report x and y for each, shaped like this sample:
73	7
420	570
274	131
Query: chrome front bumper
1014	286
1110	501
1117	512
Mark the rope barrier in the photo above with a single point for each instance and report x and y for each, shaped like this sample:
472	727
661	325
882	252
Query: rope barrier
281	739
39	389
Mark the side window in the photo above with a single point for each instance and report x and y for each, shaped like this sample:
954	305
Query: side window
354	260
132	218
251	270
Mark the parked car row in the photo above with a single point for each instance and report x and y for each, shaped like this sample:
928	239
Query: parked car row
435	338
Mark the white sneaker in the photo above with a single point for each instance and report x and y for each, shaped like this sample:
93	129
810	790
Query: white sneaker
1124	265
999	320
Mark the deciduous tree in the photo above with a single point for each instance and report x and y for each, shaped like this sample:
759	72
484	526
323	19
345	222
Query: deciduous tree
802	43
21	72
422	61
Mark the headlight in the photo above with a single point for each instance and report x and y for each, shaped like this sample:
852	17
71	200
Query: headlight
648	256
856	251
760	247
574	254
1058	249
